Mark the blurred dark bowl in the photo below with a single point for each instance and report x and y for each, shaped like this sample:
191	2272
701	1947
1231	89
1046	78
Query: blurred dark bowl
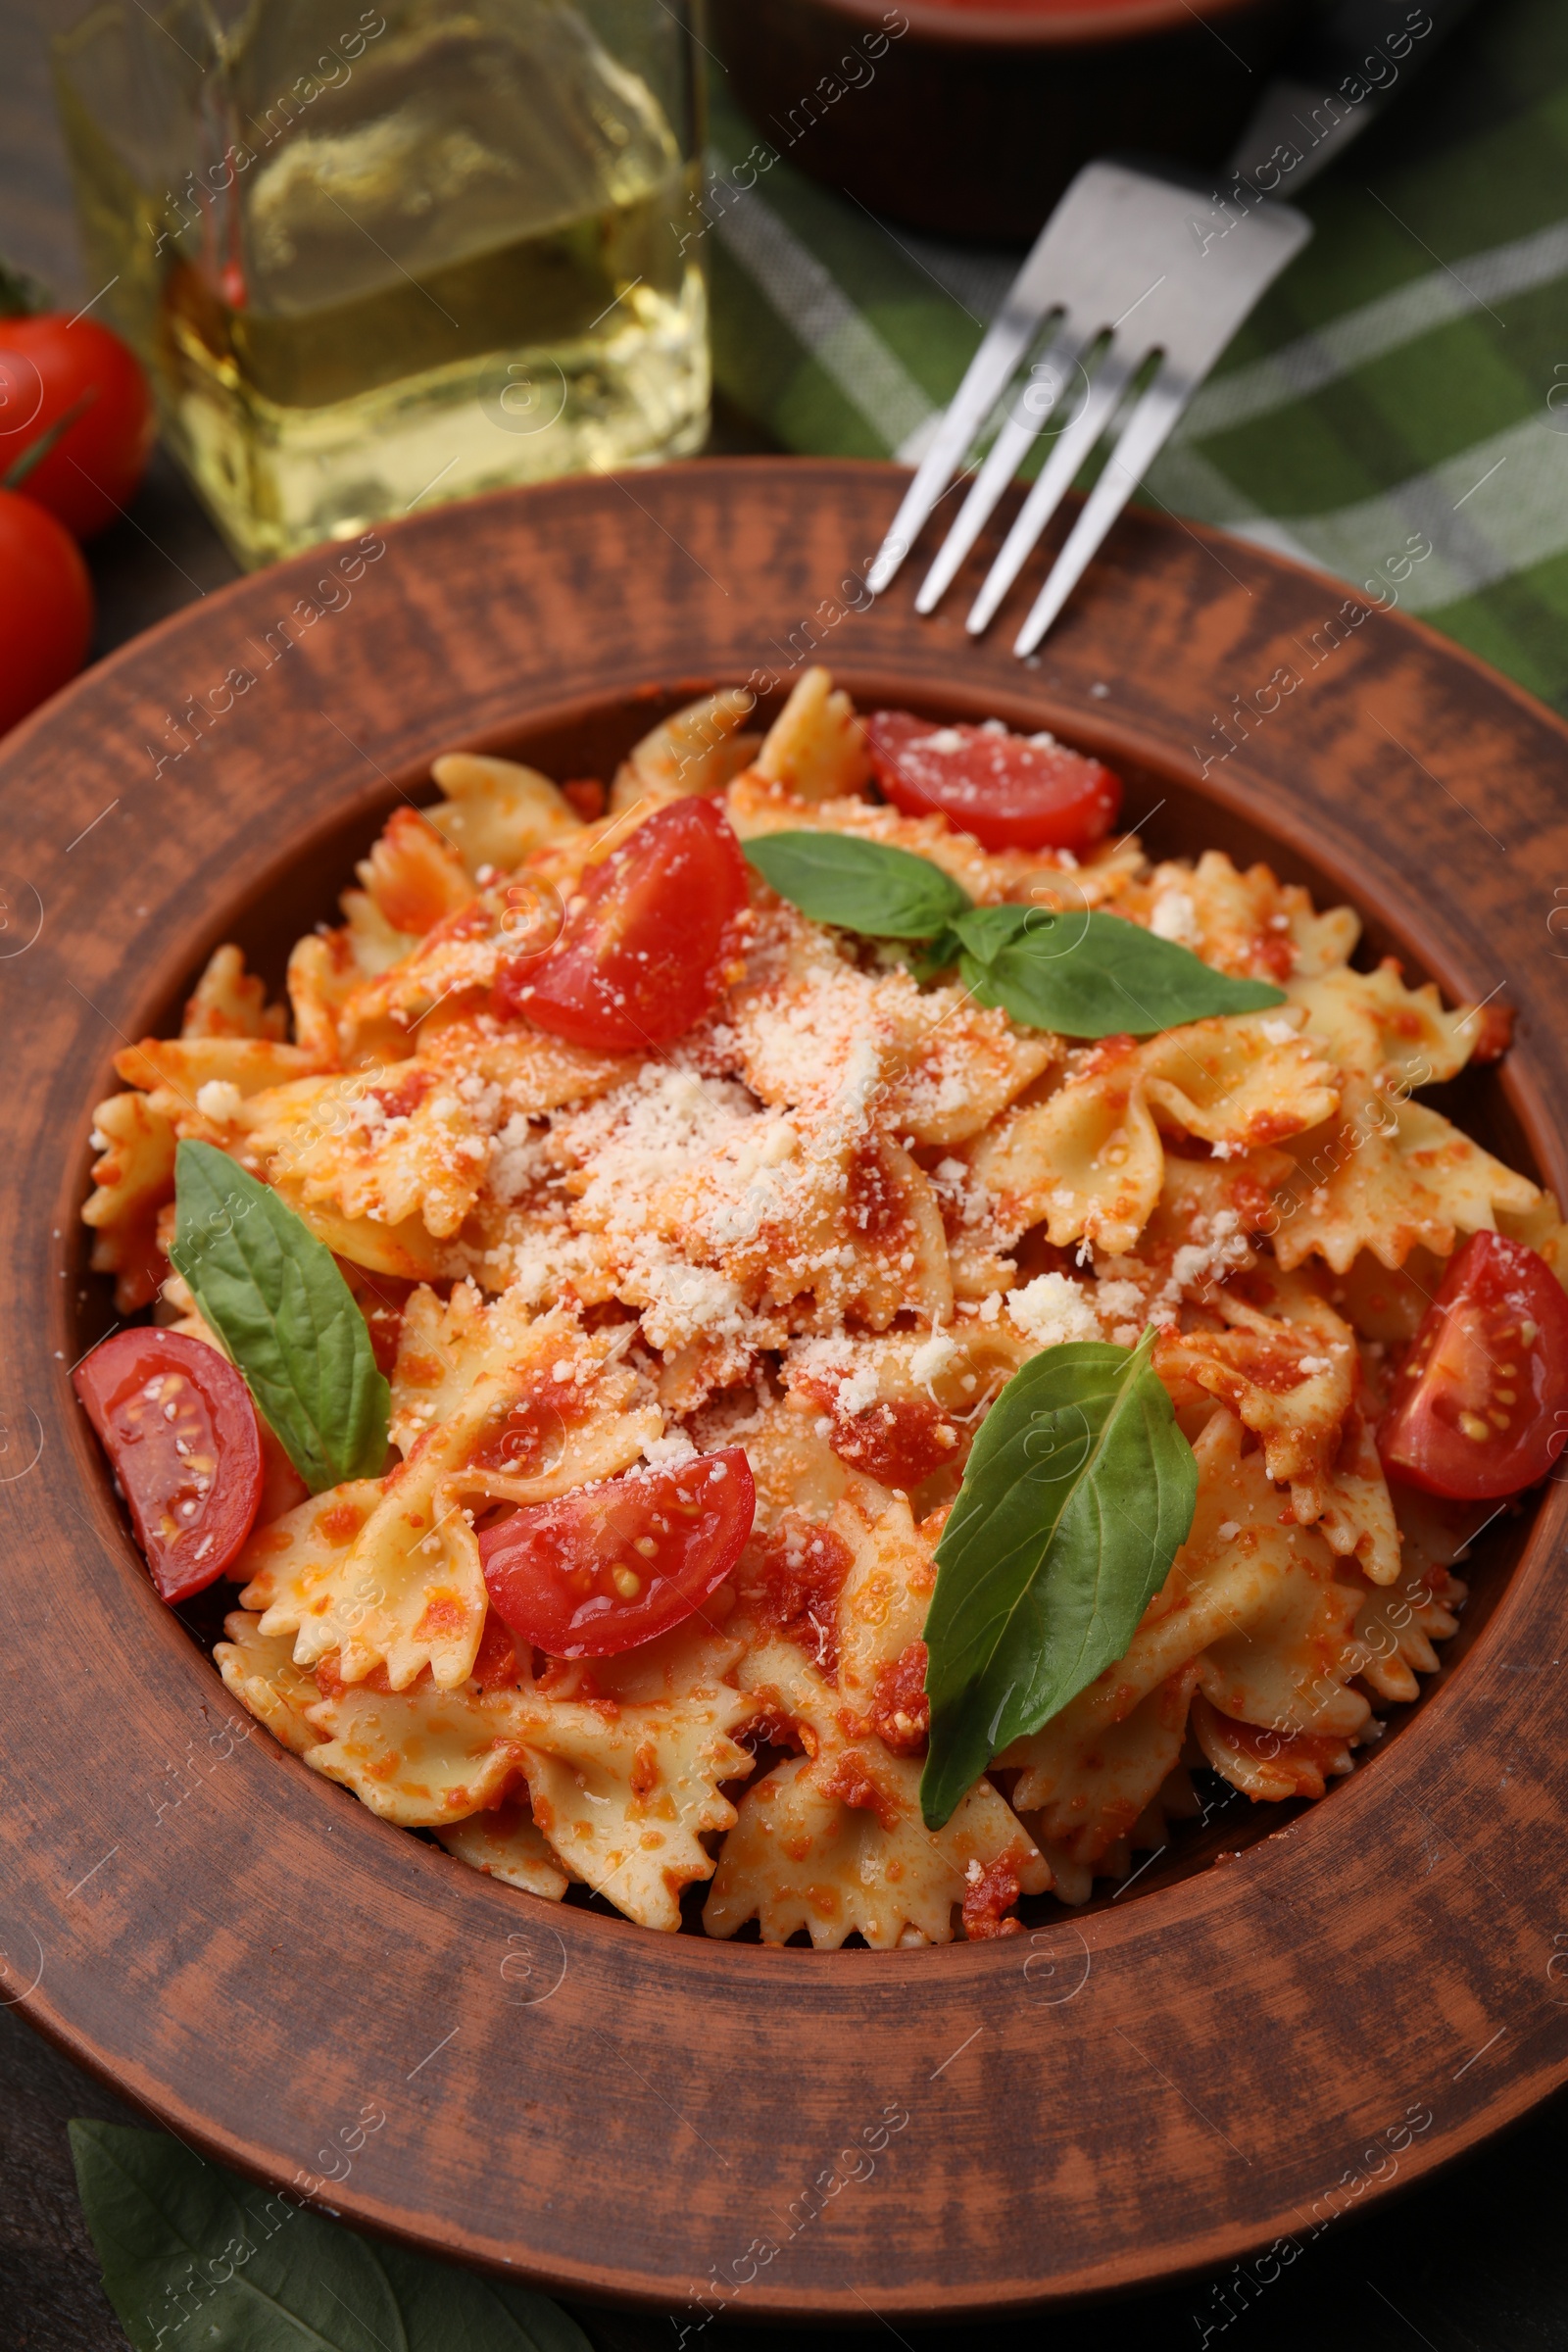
972	121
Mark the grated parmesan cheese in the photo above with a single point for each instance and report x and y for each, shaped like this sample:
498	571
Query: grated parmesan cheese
933	1356
1174	916
220	1098
1052	1309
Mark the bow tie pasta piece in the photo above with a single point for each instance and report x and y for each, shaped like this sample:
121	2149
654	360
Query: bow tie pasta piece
444	1346
1376	1028
573	1411
1388	1178
1241	1081
1389	1174
1357	1518
412	876
507	1843
133	1177
1399	1624
195	1086
834	1842
1290	1670
625	1796
182	1066
496	811
230	1002
390	1144
1251	1613
882	1606
1248	924
960	1064
793	1464
946	1068
836	1846
697	749
1289	1374
335	978
420	1757
1265	1764
816	749
1228	1573
1088	1162
285	1566
409	1592
1081	1795
323	976
532	1073
713	1214
261	1672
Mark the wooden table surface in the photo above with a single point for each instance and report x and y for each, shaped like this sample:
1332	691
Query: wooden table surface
1475	2261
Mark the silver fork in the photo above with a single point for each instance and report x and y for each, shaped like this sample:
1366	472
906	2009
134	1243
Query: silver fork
1132	267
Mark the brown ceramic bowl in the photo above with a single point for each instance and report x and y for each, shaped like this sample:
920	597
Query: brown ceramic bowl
971	121
1216	2058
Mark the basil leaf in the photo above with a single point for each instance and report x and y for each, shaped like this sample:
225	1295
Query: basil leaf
1078	1493
275	1299
1088	974
858	885
180	2240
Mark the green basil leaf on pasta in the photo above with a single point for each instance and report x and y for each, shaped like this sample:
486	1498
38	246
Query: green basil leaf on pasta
858	885
274	1296
1077	1495
193	2255
1088	974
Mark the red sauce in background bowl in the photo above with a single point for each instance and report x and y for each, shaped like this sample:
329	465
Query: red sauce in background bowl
968	118
1044	7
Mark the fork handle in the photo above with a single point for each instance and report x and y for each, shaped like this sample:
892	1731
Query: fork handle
1330	85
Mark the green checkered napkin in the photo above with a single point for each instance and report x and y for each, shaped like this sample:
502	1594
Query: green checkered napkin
1406	376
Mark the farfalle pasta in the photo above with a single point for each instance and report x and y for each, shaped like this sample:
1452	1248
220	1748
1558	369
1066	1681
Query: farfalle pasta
803	1244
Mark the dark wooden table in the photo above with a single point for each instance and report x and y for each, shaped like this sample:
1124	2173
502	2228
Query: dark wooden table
1476	2261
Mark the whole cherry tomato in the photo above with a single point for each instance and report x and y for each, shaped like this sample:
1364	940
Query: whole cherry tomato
600	1570
1479	1405
177	1424
1011	792
642	950
50	365
45	606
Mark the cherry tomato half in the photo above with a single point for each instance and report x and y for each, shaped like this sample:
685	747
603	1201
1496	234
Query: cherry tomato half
48	363
599	1571
45	606
1480	1405
1011	792
177	1424
640	955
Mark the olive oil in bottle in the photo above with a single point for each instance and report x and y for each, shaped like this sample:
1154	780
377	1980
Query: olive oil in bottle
445	254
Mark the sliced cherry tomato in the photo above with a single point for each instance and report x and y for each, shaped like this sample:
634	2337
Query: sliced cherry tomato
600	1570
50	365
646	937
45	606
1480	1405
177	1424
1011	792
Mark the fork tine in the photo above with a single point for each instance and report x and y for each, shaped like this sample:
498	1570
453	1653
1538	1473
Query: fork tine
1006	455
1055	479
1147	429
989	373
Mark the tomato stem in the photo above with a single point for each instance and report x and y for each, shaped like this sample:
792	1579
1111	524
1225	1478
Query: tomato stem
37	450
22	296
